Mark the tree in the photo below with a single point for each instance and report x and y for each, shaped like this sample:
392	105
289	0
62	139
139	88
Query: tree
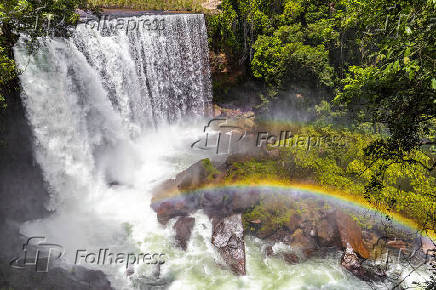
395	86
33	18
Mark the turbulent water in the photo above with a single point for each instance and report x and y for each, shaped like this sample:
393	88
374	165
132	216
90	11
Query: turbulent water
112	114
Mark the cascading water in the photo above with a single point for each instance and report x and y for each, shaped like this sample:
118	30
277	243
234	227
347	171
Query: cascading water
109	112
94	102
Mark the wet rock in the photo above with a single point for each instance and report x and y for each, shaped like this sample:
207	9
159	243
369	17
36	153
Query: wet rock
228	238
179	206
351	261
370	239
93	278
114	183
269	251
397	244
280	236
165	187
183	228
242	201
192	177
291	258
294	222
327	231
305	243
216	204
350	233
427	245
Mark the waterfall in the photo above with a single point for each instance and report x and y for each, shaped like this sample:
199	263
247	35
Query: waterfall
102	87
107	108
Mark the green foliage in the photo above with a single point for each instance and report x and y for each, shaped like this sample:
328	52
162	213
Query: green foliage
181	5
34	19
407	187
221	32
273	210
281	41
281	59
396	85
210	169
379	57
255	169
7	73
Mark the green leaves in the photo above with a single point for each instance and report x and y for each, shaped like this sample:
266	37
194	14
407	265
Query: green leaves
31	18
278	61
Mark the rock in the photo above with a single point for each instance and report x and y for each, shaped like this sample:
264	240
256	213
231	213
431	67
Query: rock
94	279
178	206
165	187
350	233
327	231
280	236
241	201
192	177
269	251
398	244
291	258
183	228
427	245
228	238
216	204
294	222
353	263
372	242
305	243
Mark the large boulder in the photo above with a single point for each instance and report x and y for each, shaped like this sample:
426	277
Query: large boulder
228	238
327	231
196	175
305	243
351	233
216	204
353	263
183	228
294	222
174	207
243	200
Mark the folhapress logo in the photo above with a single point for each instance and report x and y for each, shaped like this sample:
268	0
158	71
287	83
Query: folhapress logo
219	135
37	253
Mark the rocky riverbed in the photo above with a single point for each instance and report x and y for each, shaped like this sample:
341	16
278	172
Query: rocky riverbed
293	226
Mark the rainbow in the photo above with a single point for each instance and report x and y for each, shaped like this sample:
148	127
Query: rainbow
310	189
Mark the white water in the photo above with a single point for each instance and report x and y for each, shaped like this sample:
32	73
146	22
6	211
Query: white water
93	103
